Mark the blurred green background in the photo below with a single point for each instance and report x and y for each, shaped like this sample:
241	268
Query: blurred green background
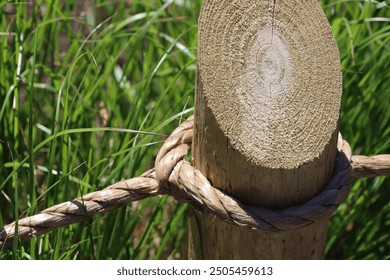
91	65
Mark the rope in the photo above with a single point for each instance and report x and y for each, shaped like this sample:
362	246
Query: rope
174	176
367	167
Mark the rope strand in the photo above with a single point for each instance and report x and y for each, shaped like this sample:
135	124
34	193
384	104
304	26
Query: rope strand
174	176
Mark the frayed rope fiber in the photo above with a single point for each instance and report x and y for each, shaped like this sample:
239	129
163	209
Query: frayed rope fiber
175	176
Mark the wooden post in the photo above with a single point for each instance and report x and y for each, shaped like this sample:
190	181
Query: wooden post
268	98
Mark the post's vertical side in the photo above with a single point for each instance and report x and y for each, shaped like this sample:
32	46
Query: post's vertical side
266	119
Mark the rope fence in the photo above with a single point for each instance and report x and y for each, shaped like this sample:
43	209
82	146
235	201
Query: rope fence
175	176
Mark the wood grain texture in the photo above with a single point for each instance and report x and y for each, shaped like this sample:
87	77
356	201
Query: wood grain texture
268	98
219	240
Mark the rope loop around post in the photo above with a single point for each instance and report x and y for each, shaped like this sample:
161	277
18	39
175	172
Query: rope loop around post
189	185
173	175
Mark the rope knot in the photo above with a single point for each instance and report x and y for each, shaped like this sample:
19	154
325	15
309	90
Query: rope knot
178	178
170	158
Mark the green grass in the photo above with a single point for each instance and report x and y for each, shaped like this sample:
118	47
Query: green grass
71	73
361	227
83	68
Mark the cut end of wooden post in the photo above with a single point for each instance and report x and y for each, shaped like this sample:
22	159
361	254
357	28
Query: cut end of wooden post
270	74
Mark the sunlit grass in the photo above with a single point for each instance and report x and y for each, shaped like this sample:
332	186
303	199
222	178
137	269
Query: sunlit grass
80	86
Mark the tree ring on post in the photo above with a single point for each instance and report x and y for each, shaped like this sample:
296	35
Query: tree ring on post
270	63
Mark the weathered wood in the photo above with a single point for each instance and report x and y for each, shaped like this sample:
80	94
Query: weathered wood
267	108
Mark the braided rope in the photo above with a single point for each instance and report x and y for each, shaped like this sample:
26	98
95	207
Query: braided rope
173	175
